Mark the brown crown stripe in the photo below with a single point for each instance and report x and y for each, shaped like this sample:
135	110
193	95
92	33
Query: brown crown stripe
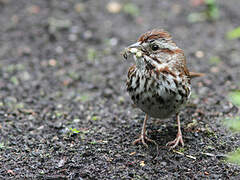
154	34
177	51
168	51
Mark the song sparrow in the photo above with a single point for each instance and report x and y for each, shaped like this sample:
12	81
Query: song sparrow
159	82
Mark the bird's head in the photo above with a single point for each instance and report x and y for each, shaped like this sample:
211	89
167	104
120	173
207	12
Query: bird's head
152	49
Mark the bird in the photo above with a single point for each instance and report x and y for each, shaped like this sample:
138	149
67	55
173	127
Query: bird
159	82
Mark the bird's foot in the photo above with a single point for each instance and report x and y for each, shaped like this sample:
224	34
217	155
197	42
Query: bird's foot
143	139
176	141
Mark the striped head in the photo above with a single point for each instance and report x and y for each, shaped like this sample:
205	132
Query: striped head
155	49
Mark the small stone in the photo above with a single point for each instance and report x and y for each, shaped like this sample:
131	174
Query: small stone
15	19
59	50
25	76
199	54
31	117
52	62
163	163
74	29
214	69
59	106
72	37
113	41
79	7
108	92
40	128
76	120
142	163
55	138
121	100
34	9
24	50
114	7
87	34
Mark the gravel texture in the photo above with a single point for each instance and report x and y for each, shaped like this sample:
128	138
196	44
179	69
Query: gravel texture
64	110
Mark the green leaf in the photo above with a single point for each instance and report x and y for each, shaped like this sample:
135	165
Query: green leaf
235	97
74	131
91	54
95	118
234	34
234	157
233	123
212	11
215	60
2	146
14	80
131	9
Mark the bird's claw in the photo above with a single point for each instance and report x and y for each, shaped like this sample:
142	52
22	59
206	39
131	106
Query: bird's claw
175	142
143	139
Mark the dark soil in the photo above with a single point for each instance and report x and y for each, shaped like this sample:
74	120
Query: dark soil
61	68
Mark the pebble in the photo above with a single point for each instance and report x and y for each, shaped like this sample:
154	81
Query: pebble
114	7
199	54
163	163
72	37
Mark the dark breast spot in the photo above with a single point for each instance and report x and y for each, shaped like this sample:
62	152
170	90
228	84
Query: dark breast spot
160	100
167	90
133	98
168	82
137	97
172	92
129	89
148	99
182	93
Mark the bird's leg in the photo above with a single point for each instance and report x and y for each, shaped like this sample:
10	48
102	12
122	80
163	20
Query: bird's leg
143	136
179	138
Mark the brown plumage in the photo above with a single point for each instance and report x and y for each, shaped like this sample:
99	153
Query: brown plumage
159	82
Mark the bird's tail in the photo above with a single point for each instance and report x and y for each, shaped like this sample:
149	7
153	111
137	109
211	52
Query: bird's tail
195	74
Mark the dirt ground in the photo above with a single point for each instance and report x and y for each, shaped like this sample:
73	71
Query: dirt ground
64	109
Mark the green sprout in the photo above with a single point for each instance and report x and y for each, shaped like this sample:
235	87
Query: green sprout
233	123
95	118
131	9
235	97
2	146
91	54
74	131
212	11
234	34
214	60
234	157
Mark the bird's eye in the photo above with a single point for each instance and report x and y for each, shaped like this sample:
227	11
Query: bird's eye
154	47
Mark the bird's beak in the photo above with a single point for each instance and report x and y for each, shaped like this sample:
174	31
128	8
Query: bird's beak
133	49
135	45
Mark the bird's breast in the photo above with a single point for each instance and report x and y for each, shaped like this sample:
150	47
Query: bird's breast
158	94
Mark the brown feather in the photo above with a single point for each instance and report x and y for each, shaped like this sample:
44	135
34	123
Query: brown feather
154	34
195	74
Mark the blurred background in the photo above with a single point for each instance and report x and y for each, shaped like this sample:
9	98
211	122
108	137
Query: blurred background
64	110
